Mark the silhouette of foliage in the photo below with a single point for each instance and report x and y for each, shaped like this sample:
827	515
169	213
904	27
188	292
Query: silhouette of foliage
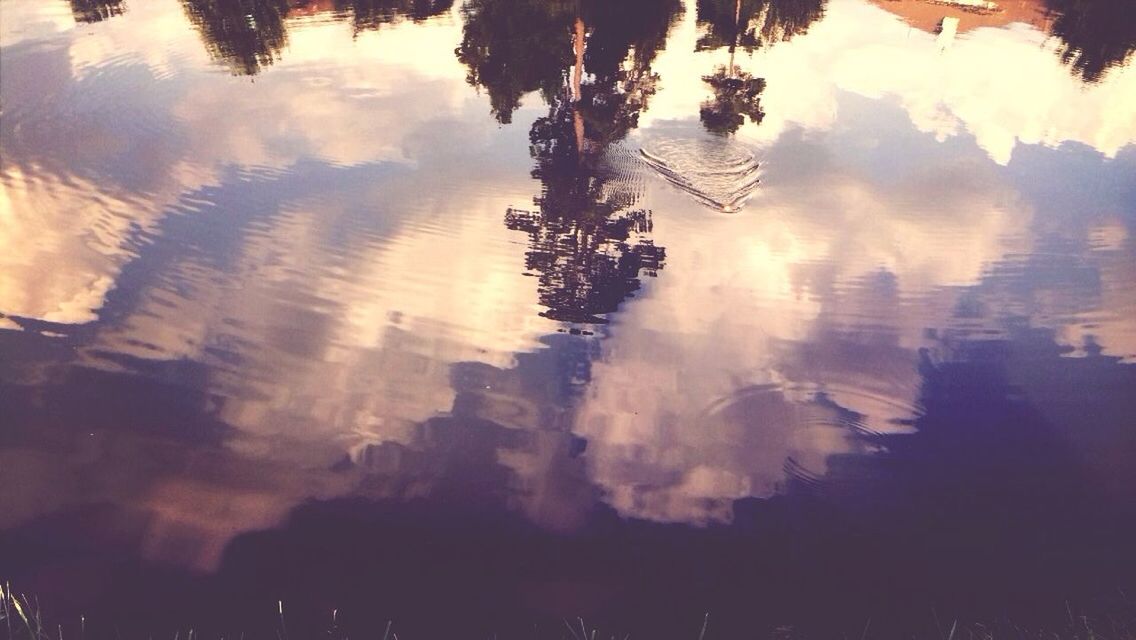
586	246
736	94
590	60
747	24
372	14
1095	34
88	11
757	23
513	47
247	35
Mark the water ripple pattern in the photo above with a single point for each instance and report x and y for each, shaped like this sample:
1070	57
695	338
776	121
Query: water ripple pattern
718	173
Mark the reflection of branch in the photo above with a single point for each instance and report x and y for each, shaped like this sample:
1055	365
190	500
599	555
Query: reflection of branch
372	14
247	35
1095	36
749	24
96	10
736	94
577	77
586	265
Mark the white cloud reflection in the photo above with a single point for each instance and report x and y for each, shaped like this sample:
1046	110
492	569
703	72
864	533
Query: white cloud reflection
350	251
1003	86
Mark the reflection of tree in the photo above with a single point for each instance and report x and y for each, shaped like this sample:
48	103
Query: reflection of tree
591	62
96	10
371	14
736	94
512	47
753	23
244	34
248	35
1095	34
747	24
585	247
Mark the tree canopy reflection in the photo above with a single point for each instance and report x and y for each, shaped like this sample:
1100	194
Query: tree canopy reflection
87	11
513	47
373	14
248	35
591	62
745	24
1095	34
750	24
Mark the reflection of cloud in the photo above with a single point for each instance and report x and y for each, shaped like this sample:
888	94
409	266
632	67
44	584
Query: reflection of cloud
327	311
1104	322
784	331
1003	86
304	380
346	112
188	511
320	346
34	21
326	257
46	272
177	135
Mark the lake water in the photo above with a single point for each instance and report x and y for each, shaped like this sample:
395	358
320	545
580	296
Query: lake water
480	315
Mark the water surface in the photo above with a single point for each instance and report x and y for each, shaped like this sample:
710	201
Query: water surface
479	315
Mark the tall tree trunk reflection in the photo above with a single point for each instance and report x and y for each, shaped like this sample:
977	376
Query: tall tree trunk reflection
588	244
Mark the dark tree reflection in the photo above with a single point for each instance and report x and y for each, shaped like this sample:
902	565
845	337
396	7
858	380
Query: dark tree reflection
513	47
590	61
1095	34
372	14
754	23
736	94
246	35
745	24
587	246
87	11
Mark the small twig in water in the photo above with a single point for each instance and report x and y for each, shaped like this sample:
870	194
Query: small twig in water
4	591
283	633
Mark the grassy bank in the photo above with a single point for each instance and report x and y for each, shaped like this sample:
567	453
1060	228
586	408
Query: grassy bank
22	619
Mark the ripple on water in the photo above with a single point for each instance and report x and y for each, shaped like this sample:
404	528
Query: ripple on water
719	173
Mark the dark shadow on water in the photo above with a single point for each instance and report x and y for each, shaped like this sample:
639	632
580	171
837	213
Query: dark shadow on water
986	510
513	47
